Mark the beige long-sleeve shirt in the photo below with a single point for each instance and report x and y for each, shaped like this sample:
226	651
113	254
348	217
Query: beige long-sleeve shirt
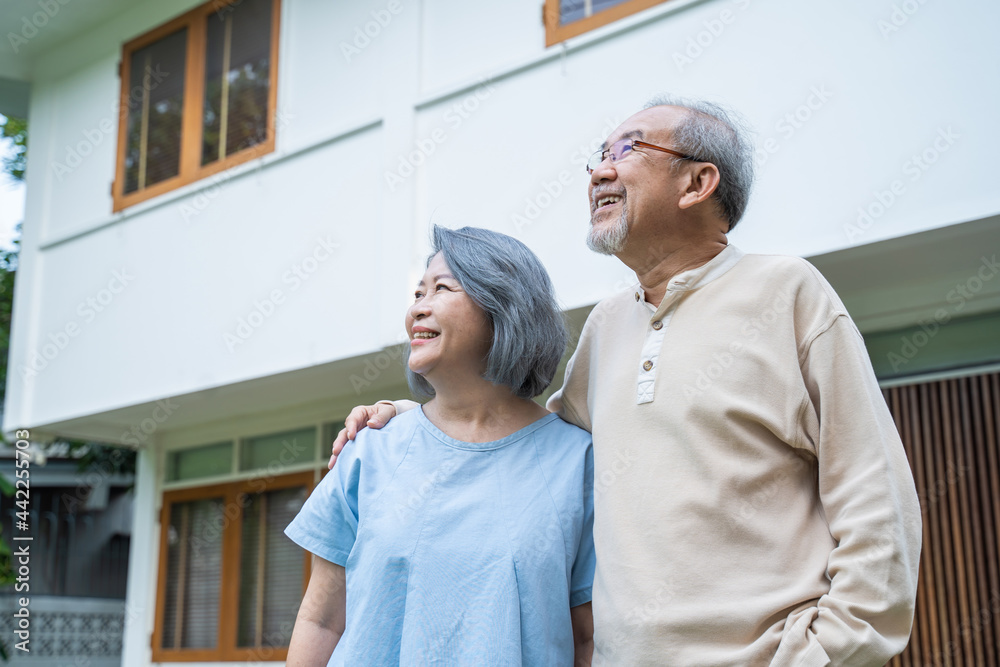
753	501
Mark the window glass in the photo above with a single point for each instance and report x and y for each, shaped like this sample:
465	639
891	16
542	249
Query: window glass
155	99
199	462
237	78
574	10
276	451
194	574
271	569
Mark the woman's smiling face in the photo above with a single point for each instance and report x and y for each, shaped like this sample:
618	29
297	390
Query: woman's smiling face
448	331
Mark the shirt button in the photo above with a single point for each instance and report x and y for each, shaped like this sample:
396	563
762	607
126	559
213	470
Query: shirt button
657	325
647	365
636	296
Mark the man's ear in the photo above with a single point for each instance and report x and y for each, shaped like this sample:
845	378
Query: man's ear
703	181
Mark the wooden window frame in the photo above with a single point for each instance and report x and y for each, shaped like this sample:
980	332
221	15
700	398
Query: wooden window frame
555	33
226	648
192	127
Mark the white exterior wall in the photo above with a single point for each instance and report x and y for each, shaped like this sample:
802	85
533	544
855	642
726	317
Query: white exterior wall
198	258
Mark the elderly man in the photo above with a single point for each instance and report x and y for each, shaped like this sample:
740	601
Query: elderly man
753	502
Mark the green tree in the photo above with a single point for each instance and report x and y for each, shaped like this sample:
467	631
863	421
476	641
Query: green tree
8	268
15	130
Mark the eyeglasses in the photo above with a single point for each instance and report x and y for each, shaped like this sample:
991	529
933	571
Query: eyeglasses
623	147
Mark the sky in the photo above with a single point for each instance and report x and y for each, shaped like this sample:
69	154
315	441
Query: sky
11	200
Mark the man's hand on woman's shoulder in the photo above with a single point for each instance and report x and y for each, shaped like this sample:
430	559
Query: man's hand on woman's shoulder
371	416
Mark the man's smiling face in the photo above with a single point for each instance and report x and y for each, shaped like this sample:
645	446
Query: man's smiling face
631	197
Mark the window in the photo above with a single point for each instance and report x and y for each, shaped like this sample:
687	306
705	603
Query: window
284	448
198	96
569	18
207	609
229	581
204	461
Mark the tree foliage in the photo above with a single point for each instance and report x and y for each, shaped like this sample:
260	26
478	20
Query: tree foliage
8	268
15	130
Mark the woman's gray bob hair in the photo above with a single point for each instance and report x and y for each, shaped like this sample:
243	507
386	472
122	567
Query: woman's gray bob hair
504	278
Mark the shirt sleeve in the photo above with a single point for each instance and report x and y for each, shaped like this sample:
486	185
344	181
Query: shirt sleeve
570	400
582	576
327	524
868	496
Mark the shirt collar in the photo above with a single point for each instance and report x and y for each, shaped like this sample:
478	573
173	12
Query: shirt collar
700	276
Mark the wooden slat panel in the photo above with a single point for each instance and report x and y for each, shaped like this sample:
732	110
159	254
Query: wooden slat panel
949	429
987	438
945	584
920	634
973	641
991	436
930	574
922	622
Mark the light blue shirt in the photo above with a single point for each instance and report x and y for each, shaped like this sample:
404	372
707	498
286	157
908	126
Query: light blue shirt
457	553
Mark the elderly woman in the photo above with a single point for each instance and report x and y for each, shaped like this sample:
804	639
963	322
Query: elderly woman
462	528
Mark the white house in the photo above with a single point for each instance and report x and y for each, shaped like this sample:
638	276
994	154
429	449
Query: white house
228	205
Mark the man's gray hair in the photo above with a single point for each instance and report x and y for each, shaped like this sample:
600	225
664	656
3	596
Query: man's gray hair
712	133
507	280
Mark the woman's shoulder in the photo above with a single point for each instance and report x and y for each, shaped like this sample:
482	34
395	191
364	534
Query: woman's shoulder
560	434
390	442
565	455
567	429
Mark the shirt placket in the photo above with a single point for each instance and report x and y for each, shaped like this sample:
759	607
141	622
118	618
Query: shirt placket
652	345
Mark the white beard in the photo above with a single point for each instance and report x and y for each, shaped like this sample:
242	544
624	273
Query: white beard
610	240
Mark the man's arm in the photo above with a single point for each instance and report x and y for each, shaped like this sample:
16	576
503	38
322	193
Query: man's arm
322	616
868	496
570	401
571	394
583	634
370	416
